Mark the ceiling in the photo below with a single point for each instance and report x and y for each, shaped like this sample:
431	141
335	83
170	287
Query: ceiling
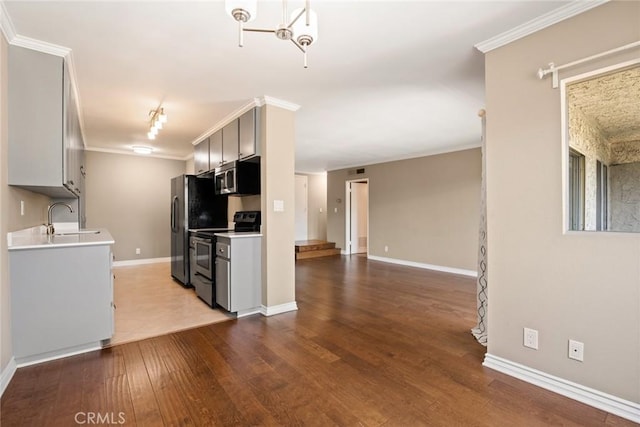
386	79
611	101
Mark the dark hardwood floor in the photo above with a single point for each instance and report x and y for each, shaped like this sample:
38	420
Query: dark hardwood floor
372	344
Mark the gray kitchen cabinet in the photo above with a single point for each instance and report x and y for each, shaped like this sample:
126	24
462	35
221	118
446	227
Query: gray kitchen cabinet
45	139
239	272
61	300
230	142
201	157
249	134
215	150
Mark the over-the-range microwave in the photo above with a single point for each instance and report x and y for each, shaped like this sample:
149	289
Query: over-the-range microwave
238	178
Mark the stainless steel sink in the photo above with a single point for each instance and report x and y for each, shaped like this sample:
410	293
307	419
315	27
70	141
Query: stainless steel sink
75	232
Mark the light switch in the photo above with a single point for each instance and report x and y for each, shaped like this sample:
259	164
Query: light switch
278	205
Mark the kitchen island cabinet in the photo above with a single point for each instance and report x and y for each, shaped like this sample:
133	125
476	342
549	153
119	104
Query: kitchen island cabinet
239	272
61	294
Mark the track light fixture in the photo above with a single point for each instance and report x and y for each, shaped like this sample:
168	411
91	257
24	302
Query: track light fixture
158	119
302	32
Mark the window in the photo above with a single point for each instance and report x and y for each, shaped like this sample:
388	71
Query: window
576	190
602	196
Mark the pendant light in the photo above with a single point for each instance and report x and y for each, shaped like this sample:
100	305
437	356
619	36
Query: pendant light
301	28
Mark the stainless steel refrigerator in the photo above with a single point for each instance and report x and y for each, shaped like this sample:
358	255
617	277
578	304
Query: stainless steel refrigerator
194	205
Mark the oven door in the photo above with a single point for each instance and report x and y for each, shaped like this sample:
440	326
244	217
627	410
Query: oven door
204	257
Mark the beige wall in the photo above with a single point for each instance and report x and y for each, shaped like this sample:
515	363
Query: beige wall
277	183
189	167
580	285
425	210
130	196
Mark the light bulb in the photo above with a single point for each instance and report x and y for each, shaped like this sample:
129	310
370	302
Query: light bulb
241	10
140	149
151	135
305	34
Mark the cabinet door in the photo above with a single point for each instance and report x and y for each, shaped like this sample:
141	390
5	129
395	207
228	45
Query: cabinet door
249	127
215	150
223	283
201	157
230	142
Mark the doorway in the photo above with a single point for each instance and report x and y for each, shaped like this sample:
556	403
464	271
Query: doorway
301	212
357	217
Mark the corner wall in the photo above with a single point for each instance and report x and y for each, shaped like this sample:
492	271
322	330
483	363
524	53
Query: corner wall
425	210
131	196
577	285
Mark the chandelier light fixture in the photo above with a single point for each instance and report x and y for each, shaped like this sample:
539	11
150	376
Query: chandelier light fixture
158	119
301	27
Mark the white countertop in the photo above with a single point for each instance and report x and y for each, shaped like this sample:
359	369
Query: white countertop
36	238
239	234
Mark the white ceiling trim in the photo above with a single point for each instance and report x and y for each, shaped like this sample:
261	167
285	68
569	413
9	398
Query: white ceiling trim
228	119
255	102
407	157
131	153
270	100
40	46
6	25
544	21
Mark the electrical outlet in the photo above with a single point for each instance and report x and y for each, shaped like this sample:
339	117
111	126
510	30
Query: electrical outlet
386	248
137	251
576	350
531	338
22	207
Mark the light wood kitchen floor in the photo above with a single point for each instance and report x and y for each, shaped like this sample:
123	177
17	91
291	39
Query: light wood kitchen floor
150	303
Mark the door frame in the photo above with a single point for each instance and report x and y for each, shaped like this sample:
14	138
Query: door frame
306	206
347	215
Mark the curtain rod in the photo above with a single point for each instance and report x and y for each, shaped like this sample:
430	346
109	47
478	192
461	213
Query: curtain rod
554	70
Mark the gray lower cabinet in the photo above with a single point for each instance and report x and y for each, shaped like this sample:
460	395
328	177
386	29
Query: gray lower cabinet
239	273
61	300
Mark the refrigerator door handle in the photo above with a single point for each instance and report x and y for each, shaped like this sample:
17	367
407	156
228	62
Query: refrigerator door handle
174	206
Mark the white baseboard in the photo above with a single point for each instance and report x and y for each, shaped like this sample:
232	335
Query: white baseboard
461	271
249	312
597	399
7	374
277	309
58	354
129	262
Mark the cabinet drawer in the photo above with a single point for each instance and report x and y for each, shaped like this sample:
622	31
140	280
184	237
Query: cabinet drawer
222	250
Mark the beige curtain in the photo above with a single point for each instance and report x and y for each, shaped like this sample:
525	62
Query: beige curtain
480	330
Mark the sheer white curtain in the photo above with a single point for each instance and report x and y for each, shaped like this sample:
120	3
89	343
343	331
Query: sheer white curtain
480	330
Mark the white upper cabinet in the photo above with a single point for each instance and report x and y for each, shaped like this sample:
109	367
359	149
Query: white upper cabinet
45	140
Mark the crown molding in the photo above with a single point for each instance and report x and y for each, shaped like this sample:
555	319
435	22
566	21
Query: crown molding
228	119
6	25
131	153
565	12
40	46
255	102
276	102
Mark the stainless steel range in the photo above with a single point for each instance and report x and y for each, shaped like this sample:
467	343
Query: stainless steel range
203	244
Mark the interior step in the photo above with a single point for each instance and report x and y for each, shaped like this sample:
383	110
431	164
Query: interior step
315	248
313	245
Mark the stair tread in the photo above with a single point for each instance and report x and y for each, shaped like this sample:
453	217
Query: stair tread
313	245
317	253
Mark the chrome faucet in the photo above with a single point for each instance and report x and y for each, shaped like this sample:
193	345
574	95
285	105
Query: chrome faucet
49	225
